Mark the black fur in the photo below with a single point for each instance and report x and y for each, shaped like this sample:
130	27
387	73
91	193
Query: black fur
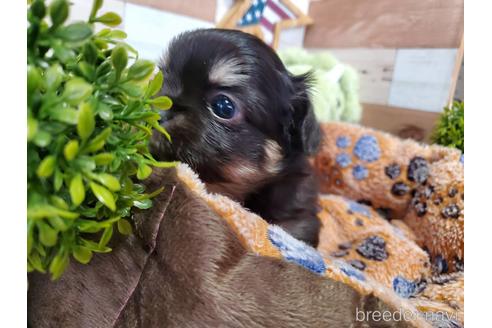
231	157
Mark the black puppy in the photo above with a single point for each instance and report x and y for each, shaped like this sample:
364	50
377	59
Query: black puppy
244	124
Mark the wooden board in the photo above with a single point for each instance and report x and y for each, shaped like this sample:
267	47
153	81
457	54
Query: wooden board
422	78
375	68
459	93
405	123
385	23
457	77
201	9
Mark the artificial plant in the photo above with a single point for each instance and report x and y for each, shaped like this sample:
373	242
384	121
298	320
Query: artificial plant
91	111
450	129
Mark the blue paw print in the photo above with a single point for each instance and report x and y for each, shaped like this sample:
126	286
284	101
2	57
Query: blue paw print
343	160
403	287
367	148
360	172
343	142
358	208
296	251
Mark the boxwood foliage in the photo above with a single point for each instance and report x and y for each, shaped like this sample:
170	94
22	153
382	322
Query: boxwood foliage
91	109
450	129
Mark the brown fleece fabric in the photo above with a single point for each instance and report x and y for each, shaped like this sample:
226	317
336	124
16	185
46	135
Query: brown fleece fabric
201	260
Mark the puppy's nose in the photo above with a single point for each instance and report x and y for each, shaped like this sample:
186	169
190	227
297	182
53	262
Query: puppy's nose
167	115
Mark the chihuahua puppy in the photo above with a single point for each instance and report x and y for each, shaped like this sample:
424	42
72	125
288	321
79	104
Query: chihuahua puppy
244	124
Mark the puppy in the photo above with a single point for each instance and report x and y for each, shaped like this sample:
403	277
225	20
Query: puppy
244	124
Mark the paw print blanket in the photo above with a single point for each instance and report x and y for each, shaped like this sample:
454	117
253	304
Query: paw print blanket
390	252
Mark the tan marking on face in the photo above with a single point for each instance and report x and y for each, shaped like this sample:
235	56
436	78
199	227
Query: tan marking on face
244	176
227	72
274	156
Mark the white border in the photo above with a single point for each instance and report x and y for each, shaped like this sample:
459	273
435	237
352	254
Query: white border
478	167
13	164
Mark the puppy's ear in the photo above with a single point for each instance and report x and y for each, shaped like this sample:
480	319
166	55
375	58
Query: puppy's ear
305	132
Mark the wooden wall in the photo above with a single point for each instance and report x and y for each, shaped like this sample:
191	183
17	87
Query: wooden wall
385	24
201	9
408	54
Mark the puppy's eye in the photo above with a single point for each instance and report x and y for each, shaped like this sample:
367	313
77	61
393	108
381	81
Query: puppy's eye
223	107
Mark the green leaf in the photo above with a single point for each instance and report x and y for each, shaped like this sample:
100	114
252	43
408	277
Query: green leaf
95	226
76	90
162	164
104	111
46	167
140	70
143	171
85	163
47	235
143	204
30	228
35	262
58	223
108	180
103	158
71	149
106	236
119	58
86	122
103	69
38	9
124	227
82	254
34	79
42	139
77	190
53	76
65	115
98	141
58	265
63	53
65	214
110	19
117	34
45	211
58	202
58	180
90	53
101	44
89	226
163	102
132	89
32	128
75	32
96	5
58	12
87	70
94	246
105	32
159	128
103	195
155	85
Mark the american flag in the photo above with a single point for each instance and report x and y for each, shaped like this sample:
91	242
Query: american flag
266	13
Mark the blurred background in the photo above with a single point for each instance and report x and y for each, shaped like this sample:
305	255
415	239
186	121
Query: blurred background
407	55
